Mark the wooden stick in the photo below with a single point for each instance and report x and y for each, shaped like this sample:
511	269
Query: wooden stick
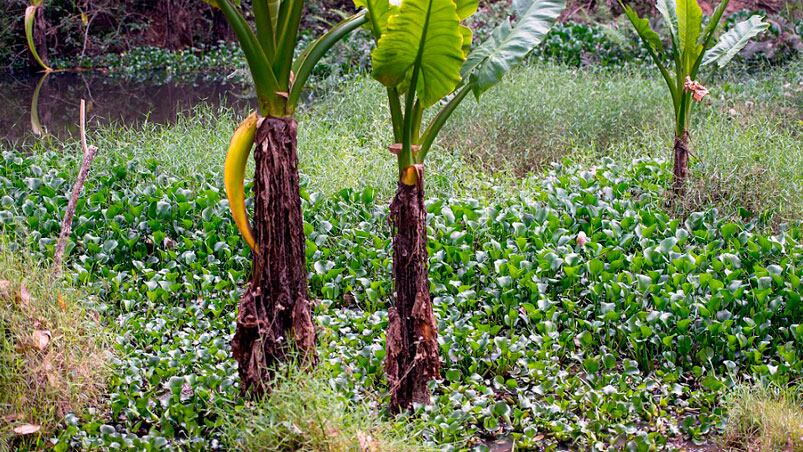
66	225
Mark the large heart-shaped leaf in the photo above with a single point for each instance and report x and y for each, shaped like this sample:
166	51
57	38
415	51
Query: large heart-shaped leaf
379	11
509	44
424	34
466	8
734	40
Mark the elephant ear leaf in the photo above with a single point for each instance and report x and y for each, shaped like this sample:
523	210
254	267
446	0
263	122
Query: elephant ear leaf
379	11
509	44
734	40
423	35
466	8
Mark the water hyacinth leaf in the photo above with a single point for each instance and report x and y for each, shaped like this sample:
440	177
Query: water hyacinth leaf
734	40
424	34
509	44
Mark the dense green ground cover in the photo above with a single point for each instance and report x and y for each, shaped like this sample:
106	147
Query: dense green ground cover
628	339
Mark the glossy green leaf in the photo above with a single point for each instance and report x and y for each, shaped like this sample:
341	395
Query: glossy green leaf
426	34
379	11
690	23
647	34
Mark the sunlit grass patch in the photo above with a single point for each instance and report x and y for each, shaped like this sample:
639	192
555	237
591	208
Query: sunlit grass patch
764	418
53	352
304	412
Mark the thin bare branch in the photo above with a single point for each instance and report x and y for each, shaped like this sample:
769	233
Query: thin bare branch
66	225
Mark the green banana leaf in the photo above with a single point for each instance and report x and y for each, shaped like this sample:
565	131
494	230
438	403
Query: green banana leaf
734	40
690	25
509	44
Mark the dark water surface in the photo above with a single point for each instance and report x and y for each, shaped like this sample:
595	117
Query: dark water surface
33	105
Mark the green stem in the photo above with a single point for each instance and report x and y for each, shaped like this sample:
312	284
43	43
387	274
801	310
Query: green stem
396	116
315	51
264	29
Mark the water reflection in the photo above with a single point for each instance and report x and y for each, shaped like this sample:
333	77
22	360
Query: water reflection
36	104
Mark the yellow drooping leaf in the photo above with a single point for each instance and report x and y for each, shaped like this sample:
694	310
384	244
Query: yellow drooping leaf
27	429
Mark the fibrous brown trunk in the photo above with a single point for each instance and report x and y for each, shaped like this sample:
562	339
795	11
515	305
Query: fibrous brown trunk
275	308
681	169
412	338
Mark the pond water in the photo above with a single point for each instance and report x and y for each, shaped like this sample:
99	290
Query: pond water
34	104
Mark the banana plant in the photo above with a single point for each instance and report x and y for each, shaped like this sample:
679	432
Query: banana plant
689	50
423	58
30	18
275	308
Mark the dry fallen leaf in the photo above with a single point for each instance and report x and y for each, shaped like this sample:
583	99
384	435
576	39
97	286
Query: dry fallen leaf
41	338
24	297
62	304
367	443
5	288
27	429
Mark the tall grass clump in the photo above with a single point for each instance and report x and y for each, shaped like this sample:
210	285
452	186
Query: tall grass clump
53	352
748	154
766	418
304	412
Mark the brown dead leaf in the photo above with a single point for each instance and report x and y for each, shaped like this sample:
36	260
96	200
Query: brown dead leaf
24	297
41	339
62	304
27	429
367	443
697	90
5	289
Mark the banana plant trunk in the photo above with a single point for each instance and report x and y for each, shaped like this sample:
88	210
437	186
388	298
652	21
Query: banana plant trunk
275	313
412	358
680	172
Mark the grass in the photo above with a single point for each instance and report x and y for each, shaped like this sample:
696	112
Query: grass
766	418
304	412
53	352
746	136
